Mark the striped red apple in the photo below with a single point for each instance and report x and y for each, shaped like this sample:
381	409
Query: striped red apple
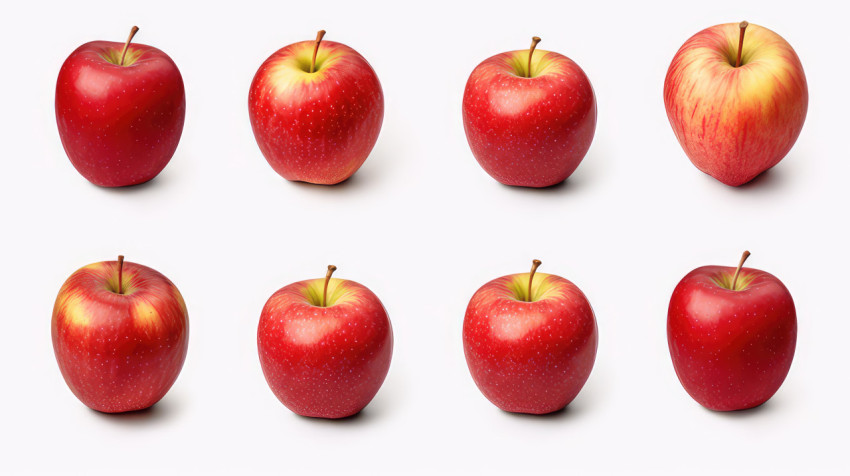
120	335
736	97
316	108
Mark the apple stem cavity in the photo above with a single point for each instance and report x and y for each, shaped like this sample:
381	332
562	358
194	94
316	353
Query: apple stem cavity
120	274
740	265
331	269
319	36
743	26
534	265
133	32
534	41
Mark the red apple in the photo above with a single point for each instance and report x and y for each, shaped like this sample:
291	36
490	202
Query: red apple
736	102
120	334
325	346
529	119
530	344
316	111
732	334
120	111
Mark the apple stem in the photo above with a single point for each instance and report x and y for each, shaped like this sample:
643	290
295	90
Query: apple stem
133	32
534	265
743	26
331	269
534	41
738	271
120	274
319	36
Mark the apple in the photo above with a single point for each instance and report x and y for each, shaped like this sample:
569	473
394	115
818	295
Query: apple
316	111
120	334
120	111
736	102
325	346
732	334
529	119
530	344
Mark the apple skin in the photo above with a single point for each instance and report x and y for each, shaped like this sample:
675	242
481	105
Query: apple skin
731	349
316	127
326	362
735	123
529	132
119	352
119	125
530	357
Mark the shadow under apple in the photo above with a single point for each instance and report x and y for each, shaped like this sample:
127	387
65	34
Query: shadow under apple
773	180
160	412
162	180
353	183
363	417
576	409
768	181
580	179
766	408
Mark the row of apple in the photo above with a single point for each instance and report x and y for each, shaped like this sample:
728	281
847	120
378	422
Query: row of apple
120	335
735	94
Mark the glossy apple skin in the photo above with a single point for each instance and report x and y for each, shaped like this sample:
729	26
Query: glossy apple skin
326	362
530	357
119	352
529	132
316	127
120	125
731	349
735	123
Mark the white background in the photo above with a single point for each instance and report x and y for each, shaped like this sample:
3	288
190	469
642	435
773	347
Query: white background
423	226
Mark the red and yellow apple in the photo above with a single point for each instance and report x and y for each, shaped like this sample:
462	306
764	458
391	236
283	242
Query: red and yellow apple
325	346
736	97
530	344
316	108
120	335
529	116
732	334
120	111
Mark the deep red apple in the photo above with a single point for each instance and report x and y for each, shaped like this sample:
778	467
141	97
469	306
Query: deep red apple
316	109
120	334
530	344
120	111
529	118
732	334
325	346
736	97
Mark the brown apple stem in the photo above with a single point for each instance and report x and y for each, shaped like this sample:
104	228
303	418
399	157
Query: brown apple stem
331	269
120	274
743	26
738	271
319	36
534	42
534	265
133	32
